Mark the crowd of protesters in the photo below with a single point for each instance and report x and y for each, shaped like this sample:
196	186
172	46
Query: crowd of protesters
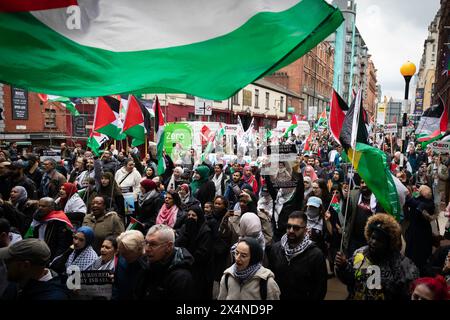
225	230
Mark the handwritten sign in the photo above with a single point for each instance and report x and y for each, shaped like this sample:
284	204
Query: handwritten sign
441	147
390	128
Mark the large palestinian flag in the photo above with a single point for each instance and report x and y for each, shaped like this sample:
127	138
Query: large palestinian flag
141	46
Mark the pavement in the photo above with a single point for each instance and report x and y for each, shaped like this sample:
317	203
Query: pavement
336	290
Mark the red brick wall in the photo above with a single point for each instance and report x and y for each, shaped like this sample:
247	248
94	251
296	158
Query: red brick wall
36	116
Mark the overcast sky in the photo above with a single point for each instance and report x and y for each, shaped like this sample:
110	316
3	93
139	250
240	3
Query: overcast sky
394	31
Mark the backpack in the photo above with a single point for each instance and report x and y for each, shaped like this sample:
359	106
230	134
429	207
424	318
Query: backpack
262	286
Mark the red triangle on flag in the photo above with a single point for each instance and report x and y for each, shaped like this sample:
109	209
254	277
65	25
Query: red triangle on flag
104	115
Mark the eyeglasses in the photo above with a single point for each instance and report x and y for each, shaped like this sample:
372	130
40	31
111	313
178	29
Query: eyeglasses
295	227
152	245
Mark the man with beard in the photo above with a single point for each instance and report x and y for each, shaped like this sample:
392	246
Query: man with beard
234	188
52	226
362	205
298	264
378	271
17	178
51	181
109	163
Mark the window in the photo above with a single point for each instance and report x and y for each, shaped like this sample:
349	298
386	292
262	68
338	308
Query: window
256	98
235	99
192	116
267	100
50	118
189	96
281	103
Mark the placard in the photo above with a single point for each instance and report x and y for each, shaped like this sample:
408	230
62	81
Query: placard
390	128
19	103
441	147
96	283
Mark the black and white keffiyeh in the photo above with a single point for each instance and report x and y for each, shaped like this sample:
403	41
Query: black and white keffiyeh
247	273
290	253
83	260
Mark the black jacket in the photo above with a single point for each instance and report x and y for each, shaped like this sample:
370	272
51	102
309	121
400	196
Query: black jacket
148	211
200	245
54	289
57	236
295	203
304	277
206	193
168	281
126	276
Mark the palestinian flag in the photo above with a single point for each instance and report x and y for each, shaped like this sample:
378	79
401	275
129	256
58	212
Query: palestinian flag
291	127
159	129
54	215
335	204
33	5
372	167
307	146
214	139
106	118
353	128
338	108
134	224
322	121
64	101
433	123
134	122
95	142
108	48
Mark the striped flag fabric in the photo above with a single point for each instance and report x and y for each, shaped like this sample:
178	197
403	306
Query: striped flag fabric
433	123
292	127
33	5
159	129
64	101
338	108
133	125
105	47
95	142
106	118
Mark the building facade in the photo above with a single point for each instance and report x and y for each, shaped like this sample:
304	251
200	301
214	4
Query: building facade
442	79
370	100
25	119
427	68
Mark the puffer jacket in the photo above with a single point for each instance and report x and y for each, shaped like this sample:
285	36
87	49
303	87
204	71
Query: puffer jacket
249	290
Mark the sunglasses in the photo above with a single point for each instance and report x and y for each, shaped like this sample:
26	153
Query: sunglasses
295	227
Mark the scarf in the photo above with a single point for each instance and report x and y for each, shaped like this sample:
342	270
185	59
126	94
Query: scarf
373	202
247	273
167	216
279	202
186	198
218	183
84	259
144	197
300	248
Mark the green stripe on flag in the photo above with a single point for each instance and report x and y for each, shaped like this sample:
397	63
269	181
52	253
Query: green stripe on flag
266	42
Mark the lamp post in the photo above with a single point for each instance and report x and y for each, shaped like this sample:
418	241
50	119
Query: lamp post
407	70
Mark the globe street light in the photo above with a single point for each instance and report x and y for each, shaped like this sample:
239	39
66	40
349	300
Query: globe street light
407	70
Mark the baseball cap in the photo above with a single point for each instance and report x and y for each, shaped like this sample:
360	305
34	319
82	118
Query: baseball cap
314	201
34	250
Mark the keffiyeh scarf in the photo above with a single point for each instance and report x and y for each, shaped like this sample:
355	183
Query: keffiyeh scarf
291	253
247	273
84	260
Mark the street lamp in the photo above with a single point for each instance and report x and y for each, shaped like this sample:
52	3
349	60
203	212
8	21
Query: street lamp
407	70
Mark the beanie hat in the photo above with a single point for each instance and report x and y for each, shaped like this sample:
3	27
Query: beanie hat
148	185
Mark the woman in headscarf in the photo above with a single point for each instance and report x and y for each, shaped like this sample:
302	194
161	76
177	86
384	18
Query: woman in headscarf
71	203
309	172
19	199
108	187
196	236
187	200
202	188
171	213
108	255
308	187
80	252
247	279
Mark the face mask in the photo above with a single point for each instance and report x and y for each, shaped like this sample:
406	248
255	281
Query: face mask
312	212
